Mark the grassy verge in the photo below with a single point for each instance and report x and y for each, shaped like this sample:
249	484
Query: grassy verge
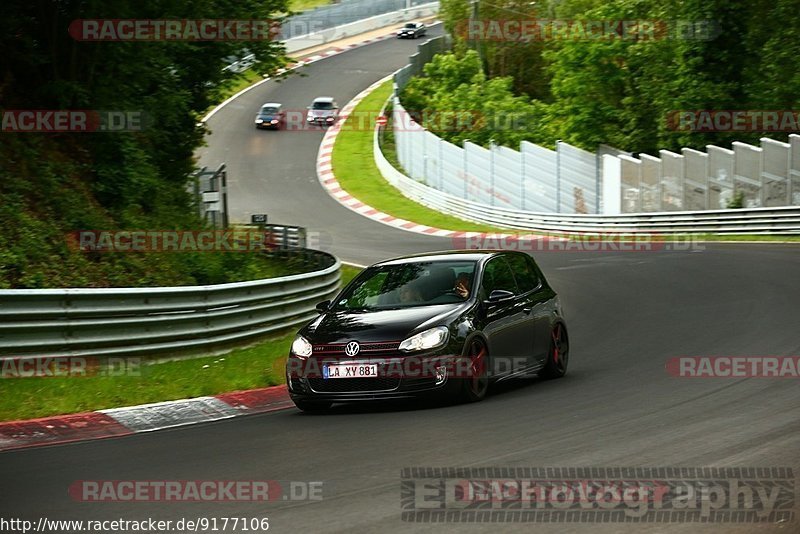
257	366
357	173
302	5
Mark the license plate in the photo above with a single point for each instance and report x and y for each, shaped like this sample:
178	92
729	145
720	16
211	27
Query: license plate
349	370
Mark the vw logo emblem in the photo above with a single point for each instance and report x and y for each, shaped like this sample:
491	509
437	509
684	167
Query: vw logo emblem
352	348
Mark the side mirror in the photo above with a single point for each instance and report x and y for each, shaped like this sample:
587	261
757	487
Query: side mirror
323	306
499	295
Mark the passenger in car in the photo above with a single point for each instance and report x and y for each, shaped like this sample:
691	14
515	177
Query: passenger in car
409	294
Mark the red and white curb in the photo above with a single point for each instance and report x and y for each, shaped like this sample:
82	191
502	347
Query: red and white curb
329	182
144	418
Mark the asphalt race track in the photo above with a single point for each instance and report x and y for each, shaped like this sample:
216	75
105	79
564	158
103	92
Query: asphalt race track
628	312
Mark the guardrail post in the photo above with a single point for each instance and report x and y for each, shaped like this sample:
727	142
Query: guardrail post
522	178
492	191
441	166
558	176
224	189
466	171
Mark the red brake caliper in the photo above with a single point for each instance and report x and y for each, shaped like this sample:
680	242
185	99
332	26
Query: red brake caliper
477	365
556	336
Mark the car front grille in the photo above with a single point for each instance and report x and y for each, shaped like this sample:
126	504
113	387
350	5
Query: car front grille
379	349
353	385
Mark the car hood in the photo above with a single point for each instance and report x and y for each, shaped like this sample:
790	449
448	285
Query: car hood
322	112
377	326
267	117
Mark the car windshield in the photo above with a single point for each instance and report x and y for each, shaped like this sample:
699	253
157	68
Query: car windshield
409	285
269	110
322	105
411	25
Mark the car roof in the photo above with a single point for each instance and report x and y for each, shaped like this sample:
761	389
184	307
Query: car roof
271	105
445	255
324	99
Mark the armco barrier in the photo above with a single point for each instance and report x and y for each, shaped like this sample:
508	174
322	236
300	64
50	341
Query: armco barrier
148	321
785	220
301	42
441	195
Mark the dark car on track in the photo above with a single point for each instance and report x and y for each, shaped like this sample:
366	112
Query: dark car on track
444	324
269	116
412	30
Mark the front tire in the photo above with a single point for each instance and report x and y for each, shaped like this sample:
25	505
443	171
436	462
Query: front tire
558	356
313	407
475	387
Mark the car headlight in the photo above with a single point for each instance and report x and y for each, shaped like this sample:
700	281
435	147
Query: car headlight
259	121
301	347
274	121
429	339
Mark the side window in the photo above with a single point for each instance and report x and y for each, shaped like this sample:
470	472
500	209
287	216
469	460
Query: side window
524	272
497	275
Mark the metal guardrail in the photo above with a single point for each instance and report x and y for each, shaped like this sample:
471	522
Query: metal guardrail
770	220
779	220
144	321
284	237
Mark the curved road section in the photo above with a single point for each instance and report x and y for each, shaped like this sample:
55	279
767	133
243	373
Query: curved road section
630	314
274	172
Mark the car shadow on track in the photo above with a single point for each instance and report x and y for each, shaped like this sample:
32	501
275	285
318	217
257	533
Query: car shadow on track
507	388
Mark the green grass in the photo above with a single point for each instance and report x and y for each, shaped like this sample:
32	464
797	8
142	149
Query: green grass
748	237
257	366
357	173
302	5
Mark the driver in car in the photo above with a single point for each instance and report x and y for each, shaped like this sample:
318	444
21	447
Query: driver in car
462	286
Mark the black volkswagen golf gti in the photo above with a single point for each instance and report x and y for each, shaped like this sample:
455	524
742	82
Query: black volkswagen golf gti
440	324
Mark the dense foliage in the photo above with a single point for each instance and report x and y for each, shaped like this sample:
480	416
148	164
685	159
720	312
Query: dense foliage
55	183
737	55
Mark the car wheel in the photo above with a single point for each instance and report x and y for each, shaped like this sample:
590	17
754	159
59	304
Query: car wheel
313	407
477	384
558	356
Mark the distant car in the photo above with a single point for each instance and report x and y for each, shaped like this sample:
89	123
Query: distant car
412	30
323	110
442	324
270	116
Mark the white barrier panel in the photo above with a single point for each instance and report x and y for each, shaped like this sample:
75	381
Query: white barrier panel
570	180
720	177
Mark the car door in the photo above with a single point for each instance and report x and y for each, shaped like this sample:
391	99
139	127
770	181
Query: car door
504	320
534	306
